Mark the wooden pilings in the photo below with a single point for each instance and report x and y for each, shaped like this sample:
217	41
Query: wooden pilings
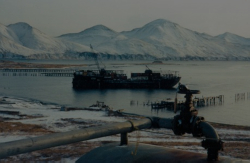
58	74
38	72
242	96
208	101
197	102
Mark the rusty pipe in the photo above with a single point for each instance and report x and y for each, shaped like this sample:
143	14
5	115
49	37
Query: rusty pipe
208	131
212	142
57	139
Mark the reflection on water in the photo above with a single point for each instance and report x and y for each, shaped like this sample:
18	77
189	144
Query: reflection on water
211	78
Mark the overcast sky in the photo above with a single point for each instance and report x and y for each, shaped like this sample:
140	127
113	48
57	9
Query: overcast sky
56	17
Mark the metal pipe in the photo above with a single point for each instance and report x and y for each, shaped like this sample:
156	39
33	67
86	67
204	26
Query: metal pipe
212	143
165	123
208	131
57	139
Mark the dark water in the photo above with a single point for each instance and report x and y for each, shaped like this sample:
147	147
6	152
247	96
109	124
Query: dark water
211	78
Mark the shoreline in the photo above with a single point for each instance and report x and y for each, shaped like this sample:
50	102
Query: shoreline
47	118
217	124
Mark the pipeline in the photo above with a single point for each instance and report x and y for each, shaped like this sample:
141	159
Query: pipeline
57	139
212	141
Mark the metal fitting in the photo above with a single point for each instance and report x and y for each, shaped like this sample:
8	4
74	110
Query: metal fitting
212	147
177	125
196	130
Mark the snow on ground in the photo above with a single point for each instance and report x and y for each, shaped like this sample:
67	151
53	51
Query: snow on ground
51	118
51	114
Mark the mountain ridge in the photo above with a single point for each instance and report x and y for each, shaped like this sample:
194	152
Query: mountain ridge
233	38
157	39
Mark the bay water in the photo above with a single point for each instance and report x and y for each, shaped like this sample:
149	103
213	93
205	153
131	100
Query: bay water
212	78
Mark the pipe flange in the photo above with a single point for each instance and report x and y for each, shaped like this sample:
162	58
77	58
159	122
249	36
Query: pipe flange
133	127
155	121
212	147
196	130
177	126
212	144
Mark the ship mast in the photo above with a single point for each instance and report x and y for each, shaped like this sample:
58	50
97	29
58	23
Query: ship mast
148	71
96	57
147	67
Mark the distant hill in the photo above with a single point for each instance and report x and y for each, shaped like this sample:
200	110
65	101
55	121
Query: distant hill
232	38
159	39
21	39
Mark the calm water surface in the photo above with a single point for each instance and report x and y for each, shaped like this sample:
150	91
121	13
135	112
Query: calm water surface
211	78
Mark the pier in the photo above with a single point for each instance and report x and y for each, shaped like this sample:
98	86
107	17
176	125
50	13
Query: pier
242	96
197	102
38	72
208	101
58	74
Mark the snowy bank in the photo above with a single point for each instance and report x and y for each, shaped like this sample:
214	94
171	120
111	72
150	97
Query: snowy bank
47	118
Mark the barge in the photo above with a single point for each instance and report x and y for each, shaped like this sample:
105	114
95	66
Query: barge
103	79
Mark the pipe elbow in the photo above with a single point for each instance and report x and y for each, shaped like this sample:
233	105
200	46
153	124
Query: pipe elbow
212	143
208	131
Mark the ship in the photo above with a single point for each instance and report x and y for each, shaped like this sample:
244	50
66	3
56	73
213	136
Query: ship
103	79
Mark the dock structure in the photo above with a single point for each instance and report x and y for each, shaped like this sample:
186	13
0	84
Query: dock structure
197	102
164	104
58	74
45	70
38	72
208	101
242	96
239	96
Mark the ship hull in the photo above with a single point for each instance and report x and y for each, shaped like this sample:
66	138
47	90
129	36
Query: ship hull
101	83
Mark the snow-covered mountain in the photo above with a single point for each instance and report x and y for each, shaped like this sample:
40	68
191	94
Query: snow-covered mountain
94	35
232	38
157	39
23	39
